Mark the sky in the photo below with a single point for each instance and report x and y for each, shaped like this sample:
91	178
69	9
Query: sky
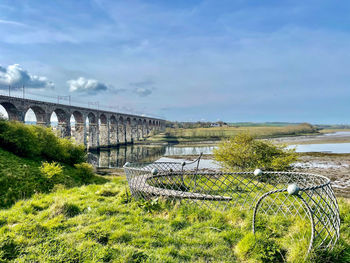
185	60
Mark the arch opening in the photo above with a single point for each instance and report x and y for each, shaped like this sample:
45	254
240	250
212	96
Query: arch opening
9	111
3	113
30	117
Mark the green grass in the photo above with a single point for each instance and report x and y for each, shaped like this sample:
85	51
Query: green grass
100	222
21	178
218	133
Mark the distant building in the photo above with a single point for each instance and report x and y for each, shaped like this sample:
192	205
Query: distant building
218	124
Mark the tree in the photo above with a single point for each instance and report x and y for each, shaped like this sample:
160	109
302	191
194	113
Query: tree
243	152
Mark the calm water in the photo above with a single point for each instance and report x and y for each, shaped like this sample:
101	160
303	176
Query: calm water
326	147
117	157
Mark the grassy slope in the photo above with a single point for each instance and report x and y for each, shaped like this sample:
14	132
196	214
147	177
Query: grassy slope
217	133
99	222
21	178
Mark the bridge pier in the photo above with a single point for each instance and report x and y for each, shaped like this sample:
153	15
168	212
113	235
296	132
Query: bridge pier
121	132
104	135
64	129
103	131
128	132
80	133
93	136
113	132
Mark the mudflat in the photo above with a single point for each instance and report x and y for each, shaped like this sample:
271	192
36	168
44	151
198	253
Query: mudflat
334	166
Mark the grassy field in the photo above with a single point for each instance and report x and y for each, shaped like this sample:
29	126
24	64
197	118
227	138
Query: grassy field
218	133
69	221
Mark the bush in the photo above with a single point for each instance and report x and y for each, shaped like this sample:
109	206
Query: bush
37	141
50	170
85	171
243	152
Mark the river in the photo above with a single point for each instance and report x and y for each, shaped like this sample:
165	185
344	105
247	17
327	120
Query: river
116	157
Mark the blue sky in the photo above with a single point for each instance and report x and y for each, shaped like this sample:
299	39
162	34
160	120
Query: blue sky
185	60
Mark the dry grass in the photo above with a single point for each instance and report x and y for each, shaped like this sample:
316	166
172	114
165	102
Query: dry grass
217	133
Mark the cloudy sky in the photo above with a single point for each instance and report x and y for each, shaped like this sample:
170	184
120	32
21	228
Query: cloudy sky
187	60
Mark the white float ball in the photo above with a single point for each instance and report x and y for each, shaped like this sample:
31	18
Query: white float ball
293	189
154	171
257	172
126	164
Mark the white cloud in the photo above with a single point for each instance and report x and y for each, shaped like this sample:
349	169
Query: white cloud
143	88
143	92
16	76
90	86
10	22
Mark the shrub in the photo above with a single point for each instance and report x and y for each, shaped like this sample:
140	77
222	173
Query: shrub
37	141
85	171
243	152
49	170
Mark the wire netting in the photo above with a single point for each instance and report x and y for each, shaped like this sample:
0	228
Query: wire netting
265	193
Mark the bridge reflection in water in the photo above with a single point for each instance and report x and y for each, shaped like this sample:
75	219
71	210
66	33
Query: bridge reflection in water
117	157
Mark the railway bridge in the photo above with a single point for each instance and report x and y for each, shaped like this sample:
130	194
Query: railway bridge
92	127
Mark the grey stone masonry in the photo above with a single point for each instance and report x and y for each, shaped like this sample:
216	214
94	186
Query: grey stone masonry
94	128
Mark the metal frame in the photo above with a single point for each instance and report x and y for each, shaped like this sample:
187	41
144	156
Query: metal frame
300	195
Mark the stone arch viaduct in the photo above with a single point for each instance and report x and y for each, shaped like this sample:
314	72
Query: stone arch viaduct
104	128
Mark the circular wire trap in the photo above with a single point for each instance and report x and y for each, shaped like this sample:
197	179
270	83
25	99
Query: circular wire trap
305	196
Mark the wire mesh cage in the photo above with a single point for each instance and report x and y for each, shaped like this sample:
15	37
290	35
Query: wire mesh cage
306	196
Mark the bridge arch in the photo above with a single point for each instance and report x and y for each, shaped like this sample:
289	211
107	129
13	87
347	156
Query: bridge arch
39	114
11	111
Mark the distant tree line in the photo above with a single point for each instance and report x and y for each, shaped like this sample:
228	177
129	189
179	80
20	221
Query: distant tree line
202	124
192	125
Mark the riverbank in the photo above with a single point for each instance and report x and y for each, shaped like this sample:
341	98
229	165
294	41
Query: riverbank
323	137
